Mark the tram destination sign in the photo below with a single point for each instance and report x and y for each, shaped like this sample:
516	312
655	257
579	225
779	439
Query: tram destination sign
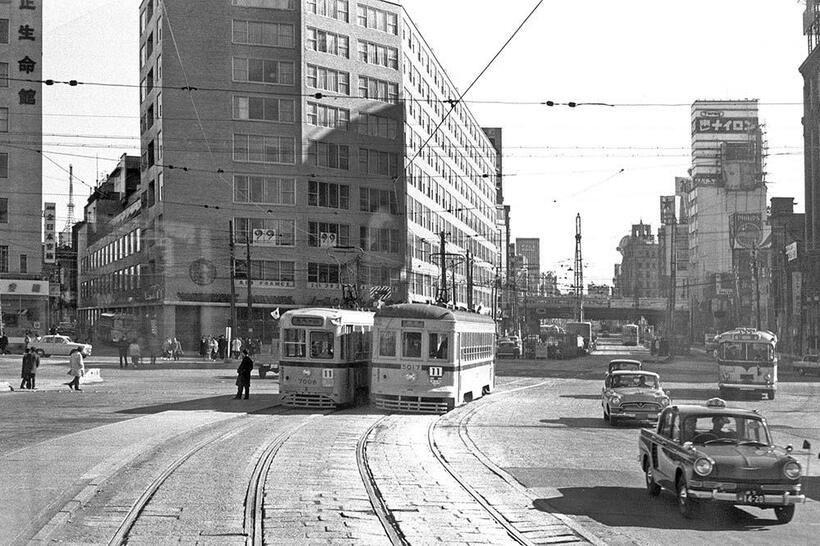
307	321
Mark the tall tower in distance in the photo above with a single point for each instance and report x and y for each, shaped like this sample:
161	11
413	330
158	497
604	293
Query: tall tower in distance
65	235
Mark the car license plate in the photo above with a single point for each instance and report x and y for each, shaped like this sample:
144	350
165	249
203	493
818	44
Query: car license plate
642	416
752	497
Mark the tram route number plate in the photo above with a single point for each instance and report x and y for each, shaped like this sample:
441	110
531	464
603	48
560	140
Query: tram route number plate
411	367
751	497
305	381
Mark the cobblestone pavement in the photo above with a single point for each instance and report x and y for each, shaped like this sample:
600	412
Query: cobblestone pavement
314	493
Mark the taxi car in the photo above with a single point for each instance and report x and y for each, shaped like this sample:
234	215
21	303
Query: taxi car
623	364
712	453
58	345
632	394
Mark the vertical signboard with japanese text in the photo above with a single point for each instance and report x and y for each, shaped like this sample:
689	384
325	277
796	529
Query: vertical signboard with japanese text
49	233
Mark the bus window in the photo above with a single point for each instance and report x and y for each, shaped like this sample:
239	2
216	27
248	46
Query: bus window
411	344
760	352
387	344
321	345
294	342
439	346
734	351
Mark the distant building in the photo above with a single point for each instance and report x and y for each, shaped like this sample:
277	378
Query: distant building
599	290
531	250
549	284
786	281
639	264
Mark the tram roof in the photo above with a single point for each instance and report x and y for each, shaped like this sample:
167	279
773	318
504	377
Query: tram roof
747	334
327	312
424	311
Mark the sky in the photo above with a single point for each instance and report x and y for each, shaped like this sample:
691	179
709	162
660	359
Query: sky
610	164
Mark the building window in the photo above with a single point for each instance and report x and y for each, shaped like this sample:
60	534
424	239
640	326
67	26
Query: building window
327	234
263	71
372	53
281	273
265	231
323	273
4	74
263	190
269	4
379	239
4	165
327	42
263	34
329	195
263	109
328	116
327	154
328	79
377	19
4	259
4	31
263	149
372	88
375	200
4	210
23	263
4	120
376	162
335	9
377	126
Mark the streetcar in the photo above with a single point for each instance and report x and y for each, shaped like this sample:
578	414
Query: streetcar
747	361
430	359
324	356
630	334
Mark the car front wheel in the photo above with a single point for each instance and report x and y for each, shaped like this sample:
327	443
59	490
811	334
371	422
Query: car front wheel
686	506
784	514
651	487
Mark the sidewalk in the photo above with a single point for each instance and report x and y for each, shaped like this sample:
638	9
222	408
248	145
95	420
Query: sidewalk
46	482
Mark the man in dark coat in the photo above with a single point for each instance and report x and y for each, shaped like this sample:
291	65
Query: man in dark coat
122	349
4	343
243	379
222	345
28	366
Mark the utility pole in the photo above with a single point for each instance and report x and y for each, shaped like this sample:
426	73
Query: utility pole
579	272
757	286
232	324
250	281
673	266
442	293
469	281
454	284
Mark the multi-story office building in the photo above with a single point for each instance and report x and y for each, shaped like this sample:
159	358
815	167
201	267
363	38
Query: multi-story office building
638	275
530	249
809	258
307	135
23	297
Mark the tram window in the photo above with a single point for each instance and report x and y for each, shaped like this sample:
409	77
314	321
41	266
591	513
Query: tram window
321	345
439	346
411	344
387	344
294	342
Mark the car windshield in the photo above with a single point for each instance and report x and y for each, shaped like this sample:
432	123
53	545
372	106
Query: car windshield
624	366
635	380
715	429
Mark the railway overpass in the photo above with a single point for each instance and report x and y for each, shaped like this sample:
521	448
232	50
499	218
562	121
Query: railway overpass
600	308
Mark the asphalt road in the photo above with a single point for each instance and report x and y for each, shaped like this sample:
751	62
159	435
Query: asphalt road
543	427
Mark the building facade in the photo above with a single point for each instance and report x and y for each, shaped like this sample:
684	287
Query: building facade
23	297
307	145
530	250
638	275
728	240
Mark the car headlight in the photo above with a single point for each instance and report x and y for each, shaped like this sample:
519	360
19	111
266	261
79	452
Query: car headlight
703	466
768	377
792	470
615	400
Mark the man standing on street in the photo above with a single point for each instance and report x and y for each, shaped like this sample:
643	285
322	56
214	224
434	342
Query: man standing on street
243	379
35	359
28	365
236	347
122	349
4	343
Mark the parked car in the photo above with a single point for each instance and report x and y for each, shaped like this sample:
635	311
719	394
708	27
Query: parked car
808	364
507	348
712	453
632	394
58	345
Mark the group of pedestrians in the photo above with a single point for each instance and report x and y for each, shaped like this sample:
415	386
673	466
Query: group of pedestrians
218	347
31	362
130	351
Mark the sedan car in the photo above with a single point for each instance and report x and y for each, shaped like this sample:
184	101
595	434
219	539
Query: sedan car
807	365
59	346
713	453
507	348
635	395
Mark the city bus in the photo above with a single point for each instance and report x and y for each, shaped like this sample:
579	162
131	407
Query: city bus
430	359
630	334
324	357
747	362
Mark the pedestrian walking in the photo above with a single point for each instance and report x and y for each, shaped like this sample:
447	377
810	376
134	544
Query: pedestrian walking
222	347
204	347
27	340
176	348
25	373
135	353
4	343
76	369
243	376
236	347
35	358
154	348
214	346
122	350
